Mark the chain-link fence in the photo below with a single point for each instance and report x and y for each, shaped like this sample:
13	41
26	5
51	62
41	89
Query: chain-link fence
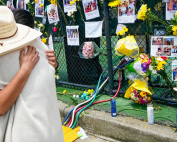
76	72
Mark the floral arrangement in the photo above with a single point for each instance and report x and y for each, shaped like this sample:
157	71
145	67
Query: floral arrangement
127	46
72	2
88	49
146	14
114	3
139	91
87	94
140	97
122	32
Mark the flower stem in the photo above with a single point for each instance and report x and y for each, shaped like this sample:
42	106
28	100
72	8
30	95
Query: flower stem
78	6
2	2
62	13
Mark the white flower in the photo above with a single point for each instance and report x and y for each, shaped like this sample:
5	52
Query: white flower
27	1
75	10
40	25
57	76
159	59
35	22
55	23
154	71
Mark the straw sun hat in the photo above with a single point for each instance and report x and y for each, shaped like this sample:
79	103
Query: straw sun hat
14	36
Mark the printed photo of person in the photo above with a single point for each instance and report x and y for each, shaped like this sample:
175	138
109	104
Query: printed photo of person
21	4
67	6
39	8
168	41
52	13
10	5
170	5
160	51
157	41
174	49
174	73
167	51
91	9
90	6
72	35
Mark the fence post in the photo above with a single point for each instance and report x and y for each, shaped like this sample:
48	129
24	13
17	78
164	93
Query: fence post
108	44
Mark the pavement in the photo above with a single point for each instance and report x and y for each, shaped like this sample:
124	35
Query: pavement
120	128
96	138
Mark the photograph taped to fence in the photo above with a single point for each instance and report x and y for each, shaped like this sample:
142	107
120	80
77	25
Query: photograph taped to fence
171	8
164	46
67	6
21	4
10	5
52	13
174	70
72	35
126	11
91	9
39	8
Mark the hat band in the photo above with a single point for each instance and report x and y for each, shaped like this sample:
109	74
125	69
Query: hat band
10	36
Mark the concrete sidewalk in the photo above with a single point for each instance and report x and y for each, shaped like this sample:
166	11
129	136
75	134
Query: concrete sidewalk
124	129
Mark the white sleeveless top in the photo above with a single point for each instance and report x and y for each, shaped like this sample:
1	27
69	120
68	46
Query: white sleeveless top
35	115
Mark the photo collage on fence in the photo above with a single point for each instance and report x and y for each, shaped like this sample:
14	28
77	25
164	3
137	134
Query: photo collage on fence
171	7
91	9
10	5
164	46
126	11
72	35
67	6
21	4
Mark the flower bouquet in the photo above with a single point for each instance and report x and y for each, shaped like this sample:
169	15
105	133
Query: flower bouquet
139	92
88	50
127	46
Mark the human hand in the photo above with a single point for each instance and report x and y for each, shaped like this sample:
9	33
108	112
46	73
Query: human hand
28	60
51	58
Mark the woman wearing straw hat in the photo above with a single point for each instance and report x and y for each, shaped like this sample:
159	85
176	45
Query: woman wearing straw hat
28	103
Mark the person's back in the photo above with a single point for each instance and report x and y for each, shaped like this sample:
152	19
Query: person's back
35	115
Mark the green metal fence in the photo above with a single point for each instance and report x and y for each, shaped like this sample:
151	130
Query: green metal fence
76	72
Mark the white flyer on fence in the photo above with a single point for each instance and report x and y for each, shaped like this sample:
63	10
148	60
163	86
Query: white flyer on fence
67	6
52	13
119	28
164	46
50	43
171	8
126	11
174	70
72	35
93	29
91	9
39	8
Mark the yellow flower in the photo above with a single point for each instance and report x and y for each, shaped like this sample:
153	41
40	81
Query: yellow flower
142	12
126	29
64	91
149	98
36	1
174	28
53	2
114	3
44	40
143	94
118	33
122	32
176	13
160	65
41	5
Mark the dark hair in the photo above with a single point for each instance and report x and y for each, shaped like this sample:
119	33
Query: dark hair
23	17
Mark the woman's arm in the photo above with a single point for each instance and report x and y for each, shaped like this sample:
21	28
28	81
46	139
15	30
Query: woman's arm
10	93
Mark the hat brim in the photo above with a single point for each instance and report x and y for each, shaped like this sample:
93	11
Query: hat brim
23	37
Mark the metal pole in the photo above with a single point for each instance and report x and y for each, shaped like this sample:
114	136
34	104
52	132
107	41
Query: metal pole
108	44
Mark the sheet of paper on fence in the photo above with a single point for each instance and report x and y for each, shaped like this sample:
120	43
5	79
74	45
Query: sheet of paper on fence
67	6
72	35
39	11
91	9
93	29
52	13
164	46
170	11
126	12
50	43
174	70
119	28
